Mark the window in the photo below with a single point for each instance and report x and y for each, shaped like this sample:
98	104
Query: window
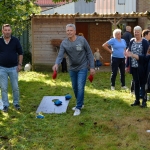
121	2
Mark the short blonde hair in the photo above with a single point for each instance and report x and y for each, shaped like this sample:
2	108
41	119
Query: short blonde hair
116	31
5	25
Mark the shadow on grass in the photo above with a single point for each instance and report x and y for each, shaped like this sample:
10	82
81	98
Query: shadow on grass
106	122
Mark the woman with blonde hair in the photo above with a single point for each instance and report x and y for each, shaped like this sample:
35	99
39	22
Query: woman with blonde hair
118	47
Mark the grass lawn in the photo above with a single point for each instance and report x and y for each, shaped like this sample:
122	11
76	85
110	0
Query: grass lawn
107	122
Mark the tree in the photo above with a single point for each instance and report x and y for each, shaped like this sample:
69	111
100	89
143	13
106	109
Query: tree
56	1
17	13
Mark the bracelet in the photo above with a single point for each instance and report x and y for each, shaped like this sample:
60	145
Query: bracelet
20	64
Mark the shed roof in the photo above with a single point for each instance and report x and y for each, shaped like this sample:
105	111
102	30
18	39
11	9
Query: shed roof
48	3
94	15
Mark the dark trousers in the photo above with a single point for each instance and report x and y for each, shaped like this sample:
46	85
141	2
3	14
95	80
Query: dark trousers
132	86
115	64
64	65
138	86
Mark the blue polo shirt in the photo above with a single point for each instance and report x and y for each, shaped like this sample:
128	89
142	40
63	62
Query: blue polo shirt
9	52
118	47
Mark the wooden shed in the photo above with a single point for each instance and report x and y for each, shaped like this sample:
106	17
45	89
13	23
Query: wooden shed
48	31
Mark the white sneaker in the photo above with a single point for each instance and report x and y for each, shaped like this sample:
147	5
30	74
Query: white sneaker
112	88
77	112
98	68
124	88
75	107
95	68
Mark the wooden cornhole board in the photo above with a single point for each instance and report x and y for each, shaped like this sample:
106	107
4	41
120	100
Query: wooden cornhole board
47	105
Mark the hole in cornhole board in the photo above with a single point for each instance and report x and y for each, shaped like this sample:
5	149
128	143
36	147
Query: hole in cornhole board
47	105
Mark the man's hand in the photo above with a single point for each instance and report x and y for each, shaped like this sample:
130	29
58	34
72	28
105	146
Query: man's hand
55	67
127	69
19	68
92	71
128	54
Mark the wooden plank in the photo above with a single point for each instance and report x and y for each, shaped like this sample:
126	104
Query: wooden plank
47	46
40	43
38	25
51	36
43	52
46	41
46	55
43	31
43	60
37	52
48	29
53	21
32	27
47	33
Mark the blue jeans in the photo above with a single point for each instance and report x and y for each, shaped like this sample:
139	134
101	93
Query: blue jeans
98	63
13	76
78	79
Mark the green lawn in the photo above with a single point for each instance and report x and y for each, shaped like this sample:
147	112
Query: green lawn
107	122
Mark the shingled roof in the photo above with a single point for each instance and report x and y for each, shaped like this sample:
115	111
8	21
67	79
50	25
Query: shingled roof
96	15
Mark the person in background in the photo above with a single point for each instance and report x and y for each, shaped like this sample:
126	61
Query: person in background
81	34
118	48
80	55
146	35
127	35
97	57
138	46
11	57
64	64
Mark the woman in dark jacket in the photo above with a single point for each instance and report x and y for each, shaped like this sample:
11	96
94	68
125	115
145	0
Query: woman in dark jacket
138	67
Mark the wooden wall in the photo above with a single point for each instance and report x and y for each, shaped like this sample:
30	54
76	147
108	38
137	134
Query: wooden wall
43	31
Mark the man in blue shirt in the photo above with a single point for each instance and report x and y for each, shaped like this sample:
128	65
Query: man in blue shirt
11	57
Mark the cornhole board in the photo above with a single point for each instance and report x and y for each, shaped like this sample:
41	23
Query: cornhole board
1	104
47	105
